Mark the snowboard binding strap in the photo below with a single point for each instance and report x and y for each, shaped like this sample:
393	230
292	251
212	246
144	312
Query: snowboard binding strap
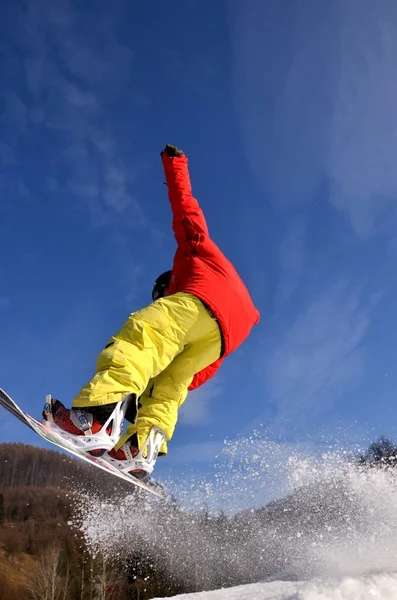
146	457
105	439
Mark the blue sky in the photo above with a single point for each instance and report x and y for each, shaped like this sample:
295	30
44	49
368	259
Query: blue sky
288	114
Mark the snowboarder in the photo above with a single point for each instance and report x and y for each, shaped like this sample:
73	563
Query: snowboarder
201	312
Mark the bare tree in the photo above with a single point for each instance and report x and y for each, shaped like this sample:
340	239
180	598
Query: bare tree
49	583
107	585
66	580
82	586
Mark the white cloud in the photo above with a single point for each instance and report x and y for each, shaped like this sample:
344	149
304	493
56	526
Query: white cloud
362	131
76	70
197	452
316	93
291	259
321	355
196	410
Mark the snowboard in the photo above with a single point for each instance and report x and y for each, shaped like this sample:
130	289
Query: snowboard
44	430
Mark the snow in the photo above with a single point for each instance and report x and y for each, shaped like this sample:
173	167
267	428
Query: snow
377	587
331	535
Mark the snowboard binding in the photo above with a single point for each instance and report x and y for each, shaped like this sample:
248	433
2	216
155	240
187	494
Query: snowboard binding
96	443
140	465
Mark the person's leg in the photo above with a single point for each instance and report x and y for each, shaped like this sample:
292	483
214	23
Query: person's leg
143	348
165	393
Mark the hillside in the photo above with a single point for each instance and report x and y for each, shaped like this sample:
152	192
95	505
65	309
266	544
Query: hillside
37	490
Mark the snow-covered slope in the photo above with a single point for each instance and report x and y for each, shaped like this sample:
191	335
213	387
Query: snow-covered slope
378	587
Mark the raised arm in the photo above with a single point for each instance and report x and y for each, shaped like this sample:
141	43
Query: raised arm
188	220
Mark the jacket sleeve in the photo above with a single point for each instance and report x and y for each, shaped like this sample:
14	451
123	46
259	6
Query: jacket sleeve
189	223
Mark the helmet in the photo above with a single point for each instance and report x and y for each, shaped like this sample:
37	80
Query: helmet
161	283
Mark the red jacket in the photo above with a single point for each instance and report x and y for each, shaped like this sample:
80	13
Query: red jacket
201	269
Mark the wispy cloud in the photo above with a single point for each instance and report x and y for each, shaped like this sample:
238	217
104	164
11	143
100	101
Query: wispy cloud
196	410
75	71
362	131
199	452
320	355
316	97
291	259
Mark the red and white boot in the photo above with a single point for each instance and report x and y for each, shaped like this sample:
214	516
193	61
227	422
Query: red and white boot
137	462
92	431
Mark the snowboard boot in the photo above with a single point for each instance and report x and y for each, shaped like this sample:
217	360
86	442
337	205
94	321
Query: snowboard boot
137	462
93	429
126	452
80	421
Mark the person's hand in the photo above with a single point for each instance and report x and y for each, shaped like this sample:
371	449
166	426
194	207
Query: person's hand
171	151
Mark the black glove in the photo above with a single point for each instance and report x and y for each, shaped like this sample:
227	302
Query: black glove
171	151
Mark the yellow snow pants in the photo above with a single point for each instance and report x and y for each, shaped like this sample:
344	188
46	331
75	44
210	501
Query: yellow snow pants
155	356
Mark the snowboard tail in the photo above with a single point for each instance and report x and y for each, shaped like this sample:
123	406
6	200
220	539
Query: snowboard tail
46	433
